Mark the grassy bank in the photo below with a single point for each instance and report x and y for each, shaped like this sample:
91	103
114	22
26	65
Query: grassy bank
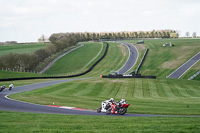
51	123
146	96
162	61
76	61
113	61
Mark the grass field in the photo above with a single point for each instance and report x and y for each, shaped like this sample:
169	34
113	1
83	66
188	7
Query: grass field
162	61
113	61
20	48
146	96
77	61
52	123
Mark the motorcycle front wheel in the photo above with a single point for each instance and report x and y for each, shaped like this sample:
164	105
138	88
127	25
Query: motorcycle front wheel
122	111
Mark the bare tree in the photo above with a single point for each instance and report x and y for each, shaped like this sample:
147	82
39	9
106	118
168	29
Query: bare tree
187	34
194	34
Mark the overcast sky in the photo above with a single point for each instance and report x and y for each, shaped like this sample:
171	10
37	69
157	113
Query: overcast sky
27	20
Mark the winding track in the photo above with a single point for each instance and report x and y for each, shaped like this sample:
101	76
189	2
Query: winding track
7	104
133	55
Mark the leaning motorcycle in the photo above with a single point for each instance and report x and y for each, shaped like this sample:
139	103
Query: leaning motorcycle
117	109
113	108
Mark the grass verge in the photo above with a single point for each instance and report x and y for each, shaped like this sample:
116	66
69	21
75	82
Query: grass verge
52	123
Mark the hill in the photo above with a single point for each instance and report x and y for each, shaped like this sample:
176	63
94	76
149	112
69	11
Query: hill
162	61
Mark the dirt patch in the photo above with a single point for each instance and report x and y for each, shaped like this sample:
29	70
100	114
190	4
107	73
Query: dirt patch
123	50
171	64
197	66
140	47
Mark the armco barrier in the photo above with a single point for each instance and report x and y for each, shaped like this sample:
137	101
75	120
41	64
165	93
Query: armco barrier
70	76
138	69
133	76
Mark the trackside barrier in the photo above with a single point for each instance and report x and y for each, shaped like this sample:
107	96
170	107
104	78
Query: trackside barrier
70	76
133	76
138	69
196	74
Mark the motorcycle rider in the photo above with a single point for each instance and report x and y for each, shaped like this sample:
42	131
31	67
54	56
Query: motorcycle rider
11	86
111	100
122	101
2	88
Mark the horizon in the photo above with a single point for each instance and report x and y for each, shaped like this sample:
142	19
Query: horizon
26	21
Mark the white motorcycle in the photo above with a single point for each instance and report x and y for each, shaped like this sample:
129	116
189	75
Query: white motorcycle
104	106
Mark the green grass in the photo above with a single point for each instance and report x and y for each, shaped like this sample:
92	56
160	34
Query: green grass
53	123
146	96
113	61
76	61
10	74
197	78
193	70
162	61
20	48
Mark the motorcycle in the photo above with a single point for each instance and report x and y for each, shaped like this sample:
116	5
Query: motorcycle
104	105
116	108
113	108
2	88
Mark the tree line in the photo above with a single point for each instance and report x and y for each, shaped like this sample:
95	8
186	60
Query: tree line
28	62
86	36
60	41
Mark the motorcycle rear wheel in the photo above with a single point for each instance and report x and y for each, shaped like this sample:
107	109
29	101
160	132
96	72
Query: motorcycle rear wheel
99	110
108	111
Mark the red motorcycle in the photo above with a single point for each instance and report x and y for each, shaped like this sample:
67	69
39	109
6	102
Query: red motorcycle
116	108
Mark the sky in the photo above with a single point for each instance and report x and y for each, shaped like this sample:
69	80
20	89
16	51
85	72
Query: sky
27	20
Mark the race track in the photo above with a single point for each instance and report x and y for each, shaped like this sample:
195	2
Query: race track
133	55
7	104
186	66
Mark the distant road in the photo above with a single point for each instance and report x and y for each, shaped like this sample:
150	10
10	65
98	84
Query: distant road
133	55
186	66
52	62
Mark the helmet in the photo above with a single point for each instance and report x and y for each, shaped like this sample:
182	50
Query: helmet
123	100
4	86
111	99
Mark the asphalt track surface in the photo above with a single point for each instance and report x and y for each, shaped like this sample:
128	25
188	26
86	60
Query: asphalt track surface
186	66
133	55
